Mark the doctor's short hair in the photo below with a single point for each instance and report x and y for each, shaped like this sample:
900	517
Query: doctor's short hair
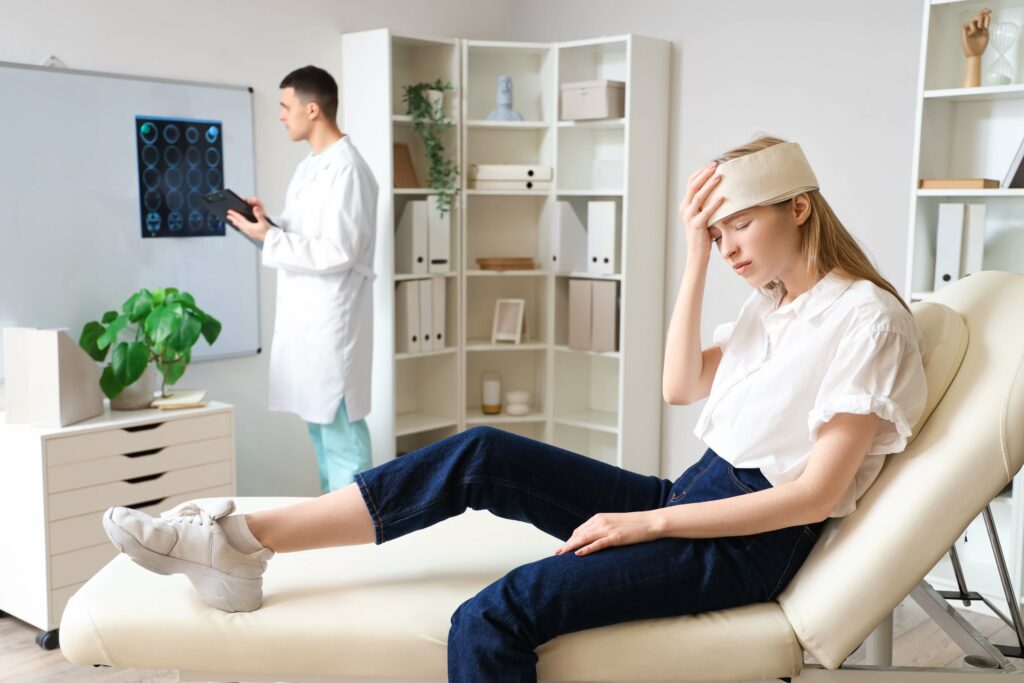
313	84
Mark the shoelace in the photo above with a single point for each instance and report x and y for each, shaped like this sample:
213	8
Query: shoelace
190	512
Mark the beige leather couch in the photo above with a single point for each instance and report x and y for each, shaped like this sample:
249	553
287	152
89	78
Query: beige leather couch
383	612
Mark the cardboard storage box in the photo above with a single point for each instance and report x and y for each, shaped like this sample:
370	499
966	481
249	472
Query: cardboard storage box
593	100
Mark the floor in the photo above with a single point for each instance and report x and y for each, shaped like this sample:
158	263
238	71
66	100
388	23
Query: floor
917	642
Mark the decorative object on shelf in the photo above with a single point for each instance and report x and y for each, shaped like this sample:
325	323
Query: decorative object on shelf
589	100
974	35
504	112
490	393
49	381
167	324
1001	72
958	184
405	173
508	321
425	102
517	403
505	263
1015	176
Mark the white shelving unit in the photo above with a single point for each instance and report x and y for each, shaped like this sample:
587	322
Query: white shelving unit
606	405
969	133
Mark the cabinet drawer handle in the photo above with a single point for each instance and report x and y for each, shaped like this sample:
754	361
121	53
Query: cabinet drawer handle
148	477
141	454
146	503
142	428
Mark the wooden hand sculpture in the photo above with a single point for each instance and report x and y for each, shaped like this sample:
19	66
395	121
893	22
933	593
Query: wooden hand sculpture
975	40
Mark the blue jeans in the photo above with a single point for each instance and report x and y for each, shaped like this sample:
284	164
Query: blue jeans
494	634
342	449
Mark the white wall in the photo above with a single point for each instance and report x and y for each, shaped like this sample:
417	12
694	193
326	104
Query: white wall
840	78
249	43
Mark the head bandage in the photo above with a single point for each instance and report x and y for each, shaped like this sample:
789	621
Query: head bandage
770	176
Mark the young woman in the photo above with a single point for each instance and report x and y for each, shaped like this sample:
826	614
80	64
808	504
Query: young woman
819	378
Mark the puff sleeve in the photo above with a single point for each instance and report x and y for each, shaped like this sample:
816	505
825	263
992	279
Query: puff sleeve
876	371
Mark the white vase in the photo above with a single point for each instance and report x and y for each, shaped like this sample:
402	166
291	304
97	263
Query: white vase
140	393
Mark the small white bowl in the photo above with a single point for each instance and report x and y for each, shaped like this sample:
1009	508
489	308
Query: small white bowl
517	409
517	397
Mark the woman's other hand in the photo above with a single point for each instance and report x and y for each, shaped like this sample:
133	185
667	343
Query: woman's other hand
607	529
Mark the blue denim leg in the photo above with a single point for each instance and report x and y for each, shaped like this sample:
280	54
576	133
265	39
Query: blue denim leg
512	476
494	634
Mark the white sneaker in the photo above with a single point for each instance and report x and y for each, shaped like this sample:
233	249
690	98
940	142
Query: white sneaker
188	540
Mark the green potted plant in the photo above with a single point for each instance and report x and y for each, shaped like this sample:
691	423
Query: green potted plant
425	103
158	327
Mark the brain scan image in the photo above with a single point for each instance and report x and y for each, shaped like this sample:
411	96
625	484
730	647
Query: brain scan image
178	157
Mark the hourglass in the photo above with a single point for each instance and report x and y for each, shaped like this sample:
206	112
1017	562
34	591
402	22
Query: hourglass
1001	71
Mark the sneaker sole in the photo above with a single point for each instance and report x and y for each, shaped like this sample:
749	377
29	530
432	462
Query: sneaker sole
223	591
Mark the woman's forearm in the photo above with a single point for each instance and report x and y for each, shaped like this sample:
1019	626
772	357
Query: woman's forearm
776	508
683	360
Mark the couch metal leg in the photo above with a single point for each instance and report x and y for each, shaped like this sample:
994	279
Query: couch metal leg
879	644
955	626
1004	577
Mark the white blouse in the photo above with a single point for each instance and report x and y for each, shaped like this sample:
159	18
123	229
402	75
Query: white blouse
844	346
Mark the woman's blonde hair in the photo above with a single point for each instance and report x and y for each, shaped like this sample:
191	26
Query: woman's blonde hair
825	242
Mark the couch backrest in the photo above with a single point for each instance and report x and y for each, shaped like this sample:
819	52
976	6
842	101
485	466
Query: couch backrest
967	450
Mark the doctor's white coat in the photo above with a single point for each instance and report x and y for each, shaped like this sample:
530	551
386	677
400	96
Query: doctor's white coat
322	349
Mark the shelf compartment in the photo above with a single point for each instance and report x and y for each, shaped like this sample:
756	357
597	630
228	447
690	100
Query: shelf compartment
520	371
418	152
586	391
594	61
531	68
455	211
944	66
969	139
426	393
498	226
590	160
527	146
1004	235
482	294
417	60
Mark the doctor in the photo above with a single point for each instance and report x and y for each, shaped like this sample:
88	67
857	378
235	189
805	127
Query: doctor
321	354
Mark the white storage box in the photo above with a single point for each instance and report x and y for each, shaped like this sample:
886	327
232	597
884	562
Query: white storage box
593	100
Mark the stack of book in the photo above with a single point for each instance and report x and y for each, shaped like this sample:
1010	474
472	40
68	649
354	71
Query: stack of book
510	177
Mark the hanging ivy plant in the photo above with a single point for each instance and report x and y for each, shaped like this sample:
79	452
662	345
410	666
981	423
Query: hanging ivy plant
430	123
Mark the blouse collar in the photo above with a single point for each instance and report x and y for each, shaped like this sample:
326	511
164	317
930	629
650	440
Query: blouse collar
812	302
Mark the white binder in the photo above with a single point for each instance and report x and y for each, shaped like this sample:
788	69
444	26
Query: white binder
511	185
426	299
948	244
602	238
407	317
439	230
568	246
438	288
411	239
974	239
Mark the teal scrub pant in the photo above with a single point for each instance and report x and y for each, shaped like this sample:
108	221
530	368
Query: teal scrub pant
342	449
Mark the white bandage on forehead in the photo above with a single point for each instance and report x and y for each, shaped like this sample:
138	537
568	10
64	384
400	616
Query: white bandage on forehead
770	176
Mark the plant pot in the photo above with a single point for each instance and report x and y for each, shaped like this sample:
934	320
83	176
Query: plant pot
140	393
436	99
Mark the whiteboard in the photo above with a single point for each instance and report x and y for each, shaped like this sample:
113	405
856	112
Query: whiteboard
73	227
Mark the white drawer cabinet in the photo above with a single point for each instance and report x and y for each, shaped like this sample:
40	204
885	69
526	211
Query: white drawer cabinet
56	483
